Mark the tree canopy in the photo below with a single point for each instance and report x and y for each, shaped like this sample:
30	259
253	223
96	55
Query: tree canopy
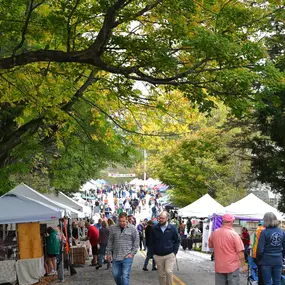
71	72
206	160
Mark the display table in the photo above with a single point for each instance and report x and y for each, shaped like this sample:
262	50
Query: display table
197	241
8	271
78	254
30	271
87	246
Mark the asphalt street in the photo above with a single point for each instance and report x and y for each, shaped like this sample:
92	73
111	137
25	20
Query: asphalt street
195	268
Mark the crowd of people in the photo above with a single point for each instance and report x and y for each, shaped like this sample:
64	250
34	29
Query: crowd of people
117	235
118	242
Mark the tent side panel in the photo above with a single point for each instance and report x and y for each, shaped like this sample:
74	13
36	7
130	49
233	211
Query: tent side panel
29	241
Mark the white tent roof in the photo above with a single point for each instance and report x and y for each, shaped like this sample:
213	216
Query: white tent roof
91	184
201	208
64	199
134	181
18	209
251	207
24	190
150	181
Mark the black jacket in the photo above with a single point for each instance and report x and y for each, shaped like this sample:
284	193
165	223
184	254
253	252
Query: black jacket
148	231
165	242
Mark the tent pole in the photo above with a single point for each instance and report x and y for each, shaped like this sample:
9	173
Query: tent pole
4	233
61	265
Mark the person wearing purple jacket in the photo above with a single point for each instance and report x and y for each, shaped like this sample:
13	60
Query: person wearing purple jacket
140	229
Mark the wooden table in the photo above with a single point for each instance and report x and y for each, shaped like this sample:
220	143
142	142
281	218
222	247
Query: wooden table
77	254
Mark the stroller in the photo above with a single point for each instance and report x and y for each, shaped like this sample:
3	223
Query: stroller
252	273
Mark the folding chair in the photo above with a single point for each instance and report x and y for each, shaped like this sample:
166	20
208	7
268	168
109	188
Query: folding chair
252	273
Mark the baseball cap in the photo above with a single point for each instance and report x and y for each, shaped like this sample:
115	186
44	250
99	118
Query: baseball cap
228	218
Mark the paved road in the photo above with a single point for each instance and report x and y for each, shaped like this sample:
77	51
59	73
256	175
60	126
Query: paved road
195	268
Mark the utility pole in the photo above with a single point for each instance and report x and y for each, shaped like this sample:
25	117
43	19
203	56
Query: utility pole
145	167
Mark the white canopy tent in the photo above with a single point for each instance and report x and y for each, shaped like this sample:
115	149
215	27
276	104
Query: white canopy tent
91	184
134	181
62	198
201	208
18	209
24	190
137	182
149	182
251	207
69	201
152	182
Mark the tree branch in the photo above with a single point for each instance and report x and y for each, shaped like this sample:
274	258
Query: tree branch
79	92
69	26
13	139
131	131
139	13
105	33
29	11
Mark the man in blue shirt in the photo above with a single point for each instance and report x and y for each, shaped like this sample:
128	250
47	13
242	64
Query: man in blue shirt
165	241
98	225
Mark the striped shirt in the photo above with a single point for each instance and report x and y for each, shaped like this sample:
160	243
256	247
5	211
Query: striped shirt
121	243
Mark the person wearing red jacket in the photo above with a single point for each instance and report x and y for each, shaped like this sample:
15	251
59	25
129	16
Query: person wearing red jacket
246	242
93	237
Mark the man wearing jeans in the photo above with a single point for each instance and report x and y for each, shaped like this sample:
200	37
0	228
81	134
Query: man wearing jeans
165	243
229	253
123	244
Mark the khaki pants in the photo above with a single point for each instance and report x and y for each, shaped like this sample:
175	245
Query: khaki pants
165	268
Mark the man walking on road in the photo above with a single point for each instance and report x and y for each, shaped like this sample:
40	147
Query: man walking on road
123	244
229	253
165	243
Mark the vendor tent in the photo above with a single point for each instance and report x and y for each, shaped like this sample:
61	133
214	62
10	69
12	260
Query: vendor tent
251	207
102	182
201	208
90	185
24	190
161	187
80	210
152	182
18	209
85	209
134	181
62	198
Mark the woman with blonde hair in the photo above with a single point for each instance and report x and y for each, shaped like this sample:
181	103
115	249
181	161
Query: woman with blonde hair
270	250
110	222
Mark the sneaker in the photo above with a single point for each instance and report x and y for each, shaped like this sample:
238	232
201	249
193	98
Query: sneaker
154	269
98	266
51	273
145	269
